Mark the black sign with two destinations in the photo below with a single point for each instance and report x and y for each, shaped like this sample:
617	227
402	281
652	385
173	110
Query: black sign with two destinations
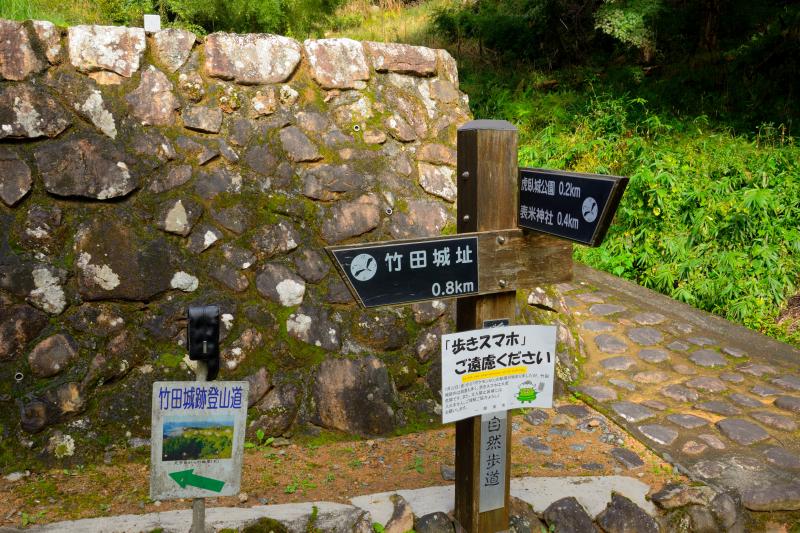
398	272
575	206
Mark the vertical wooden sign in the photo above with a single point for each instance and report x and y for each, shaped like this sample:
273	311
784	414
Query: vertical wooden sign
487	200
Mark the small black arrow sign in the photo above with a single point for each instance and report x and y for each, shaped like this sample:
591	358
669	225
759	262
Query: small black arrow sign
575	206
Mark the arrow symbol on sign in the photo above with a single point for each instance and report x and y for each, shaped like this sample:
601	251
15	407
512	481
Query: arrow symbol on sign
186	478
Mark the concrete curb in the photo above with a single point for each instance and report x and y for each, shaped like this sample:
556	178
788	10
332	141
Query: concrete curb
592	492
334	517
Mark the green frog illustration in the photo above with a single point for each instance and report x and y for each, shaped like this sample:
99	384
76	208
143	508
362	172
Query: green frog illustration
527	392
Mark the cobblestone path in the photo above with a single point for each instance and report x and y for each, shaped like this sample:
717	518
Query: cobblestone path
719	401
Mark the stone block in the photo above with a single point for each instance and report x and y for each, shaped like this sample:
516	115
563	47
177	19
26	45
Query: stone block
438	181
337	63
281	285
90	166
172	47
15	177
52	355
28	112
112	48
251	59
742	431
776	497
113	261
49	38
348	219
354	395
402	58
18	59
19	325
204	119
153	101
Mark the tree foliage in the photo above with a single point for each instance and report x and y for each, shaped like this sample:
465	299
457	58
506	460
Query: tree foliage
197	443
548	32
746	54
630	22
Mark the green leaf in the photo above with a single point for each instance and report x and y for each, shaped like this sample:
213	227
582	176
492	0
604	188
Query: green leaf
759	199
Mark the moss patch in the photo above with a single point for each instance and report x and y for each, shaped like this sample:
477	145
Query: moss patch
169	360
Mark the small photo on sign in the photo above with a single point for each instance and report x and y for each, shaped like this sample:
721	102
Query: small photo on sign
195	438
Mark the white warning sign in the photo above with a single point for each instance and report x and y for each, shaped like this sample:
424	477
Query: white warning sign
497	369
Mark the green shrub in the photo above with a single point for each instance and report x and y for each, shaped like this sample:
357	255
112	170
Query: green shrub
709	218
299	18
62	13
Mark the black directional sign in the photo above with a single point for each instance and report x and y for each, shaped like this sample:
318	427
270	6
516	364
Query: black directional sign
578	207
397	272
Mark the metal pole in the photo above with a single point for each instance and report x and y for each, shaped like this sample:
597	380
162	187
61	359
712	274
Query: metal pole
199	504
198	515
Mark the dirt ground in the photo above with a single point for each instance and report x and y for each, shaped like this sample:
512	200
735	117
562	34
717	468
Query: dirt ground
318	469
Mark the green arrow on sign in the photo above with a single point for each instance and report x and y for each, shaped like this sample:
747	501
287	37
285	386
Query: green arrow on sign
186	478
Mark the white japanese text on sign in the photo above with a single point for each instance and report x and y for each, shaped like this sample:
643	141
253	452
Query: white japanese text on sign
409	271
568	204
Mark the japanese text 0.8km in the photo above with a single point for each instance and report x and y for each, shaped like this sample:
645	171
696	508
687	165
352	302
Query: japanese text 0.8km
402	272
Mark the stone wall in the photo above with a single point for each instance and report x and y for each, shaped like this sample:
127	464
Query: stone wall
140	174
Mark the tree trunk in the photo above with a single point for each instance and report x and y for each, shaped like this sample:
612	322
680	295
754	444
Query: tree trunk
709	40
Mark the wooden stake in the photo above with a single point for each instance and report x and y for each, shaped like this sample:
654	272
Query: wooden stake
487	200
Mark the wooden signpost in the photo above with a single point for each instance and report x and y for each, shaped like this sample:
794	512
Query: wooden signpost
487	201
483	266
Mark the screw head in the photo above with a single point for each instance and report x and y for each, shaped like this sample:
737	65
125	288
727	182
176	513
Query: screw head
465	175
465	218
502	283
501	239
